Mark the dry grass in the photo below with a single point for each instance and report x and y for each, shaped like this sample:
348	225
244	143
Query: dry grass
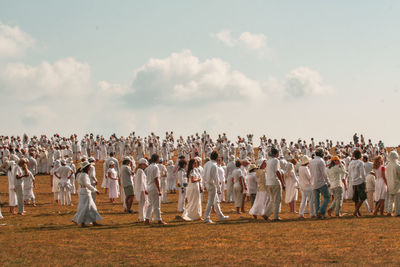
46	236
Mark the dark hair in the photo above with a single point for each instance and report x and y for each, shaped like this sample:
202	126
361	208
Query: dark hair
238	163
154	158
182	163
112	154
190	167
365	157
86	169
332	164
274	152
214	155
319	152
125	162
357	154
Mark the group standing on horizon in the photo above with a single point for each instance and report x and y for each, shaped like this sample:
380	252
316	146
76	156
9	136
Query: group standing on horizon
238	173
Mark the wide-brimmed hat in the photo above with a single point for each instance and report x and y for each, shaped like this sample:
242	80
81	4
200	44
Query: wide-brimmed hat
305	160
143	161
91	159
252	167
85	164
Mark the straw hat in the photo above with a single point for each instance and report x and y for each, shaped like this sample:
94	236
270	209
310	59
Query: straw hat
252	167
304	160
85	164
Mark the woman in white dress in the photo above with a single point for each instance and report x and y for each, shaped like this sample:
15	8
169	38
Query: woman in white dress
380	185
292	184
193	207
113	183
140	188
12	196
262	198
171	180
87	211
182	184
239	187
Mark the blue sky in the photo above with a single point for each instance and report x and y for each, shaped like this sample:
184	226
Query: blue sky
286	68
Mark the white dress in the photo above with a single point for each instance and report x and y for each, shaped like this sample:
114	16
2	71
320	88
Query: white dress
380	186
12	195
262	197
113	184
292	184
87	210
193	207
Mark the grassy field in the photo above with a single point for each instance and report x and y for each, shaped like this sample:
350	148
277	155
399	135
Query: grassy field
46	236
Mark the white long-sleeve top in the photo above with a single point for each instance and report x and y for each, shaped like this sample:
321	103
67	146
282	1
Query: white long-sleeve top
140	183
211	174
84	184
319	176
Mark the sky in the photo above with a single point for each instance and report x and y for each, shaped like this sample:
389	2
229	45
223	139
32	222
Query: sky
286	69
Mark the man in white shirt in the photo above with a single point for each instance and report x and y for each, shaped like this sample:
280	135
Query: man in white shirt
154	191
357	179
274	184
320	182
212	185
229	180
64	173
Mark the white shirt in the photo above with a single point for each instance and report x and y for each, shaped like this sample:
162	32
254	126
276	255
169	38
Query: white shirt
356	172
153	174
318	172
273	166
305	178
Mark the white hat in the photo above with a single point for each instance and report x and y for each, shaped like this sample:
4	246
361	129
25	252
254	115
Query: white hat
85	164
198	159
170	162
393	156
91	159
143	161
304	160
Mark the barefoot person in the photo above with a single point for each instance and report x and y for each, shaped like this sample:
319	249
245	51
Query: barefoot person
140	188
192	211
380	185
357	177
262	199
154	191
212	183
87	211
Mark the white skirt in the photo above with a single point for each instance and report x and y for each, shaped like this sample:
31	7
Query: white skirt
12	198
113	189
87	210
380	190
193	208
260	203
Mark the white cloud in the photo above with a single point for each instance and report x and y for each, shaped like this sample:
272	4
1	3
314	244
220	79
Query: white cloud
108	88
303	81
256	42
225	36
66	77
252	41
13	41
182	77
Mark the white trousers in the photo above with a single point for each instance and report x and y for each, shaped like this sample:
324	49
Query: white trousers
394	199
307	198
154	206
65	191
212	201
229	190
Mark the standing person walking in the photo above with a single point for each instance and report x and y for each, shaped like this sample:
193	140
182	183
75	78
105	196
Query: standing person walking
154	191
127	183
274	184
320	183
192	210
393	183
336	176
306	187
357	177
212	185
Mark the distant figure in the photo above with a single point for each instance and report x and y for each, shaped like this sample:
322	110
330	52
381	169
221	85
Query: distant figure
355	139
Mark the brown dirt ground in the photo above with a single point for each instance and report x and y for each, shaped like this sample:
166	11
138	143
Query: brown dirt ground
46	236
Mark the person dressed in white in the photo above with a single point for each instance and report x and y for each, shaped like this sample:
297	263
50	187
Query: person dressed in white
92	177
64	173
154	191
54	180
87	211
182	184
171	180
274	183
320	183
239	187
163	181
12	196
292	185
113	183
306	188
20	172
140	188
393	183
258	208
193	207
29	184
127	183
336	174
380	185
212	182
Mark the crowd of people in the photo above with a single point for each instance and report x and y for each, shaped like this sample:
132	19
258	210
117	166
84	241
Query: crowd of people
150	168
